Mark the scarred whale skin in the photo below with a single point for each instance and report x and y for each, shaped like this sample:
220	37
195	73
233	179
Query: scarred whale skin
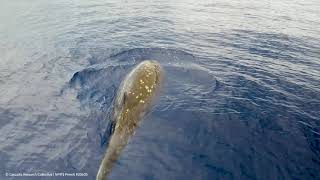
134	97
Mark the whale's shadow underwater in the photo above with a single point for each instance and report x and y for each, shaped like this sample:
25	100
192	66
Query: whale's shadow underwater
97	87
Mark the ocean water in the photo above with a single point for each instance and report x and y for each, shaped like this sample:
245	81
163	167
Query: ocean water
240	99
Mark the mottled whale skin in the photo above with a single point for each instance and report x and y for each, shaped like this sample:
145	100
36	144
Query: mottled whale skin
134	98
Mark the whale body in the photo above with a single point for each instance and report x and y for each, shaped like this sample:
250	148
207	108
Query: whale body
134	98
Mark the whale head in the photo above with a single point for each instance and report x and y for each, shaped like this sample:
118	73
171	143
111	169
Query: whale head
138	90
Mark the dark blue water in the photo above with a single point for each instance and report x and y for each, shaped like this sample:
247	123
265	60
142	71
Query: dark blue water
241	96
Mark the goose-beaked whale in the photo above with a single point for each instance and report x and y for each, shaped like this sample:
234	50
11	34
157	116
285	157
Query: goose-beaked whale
134	98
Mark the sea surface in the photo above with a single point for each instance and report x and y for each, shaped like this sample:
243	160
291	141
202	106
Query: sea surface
240	99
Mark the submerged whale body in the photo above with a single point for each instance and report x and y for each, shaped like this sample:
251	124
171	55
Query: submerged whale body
134	98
